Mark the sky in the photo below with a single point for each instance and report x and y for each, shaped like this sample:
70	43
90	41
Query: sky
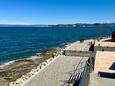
56	11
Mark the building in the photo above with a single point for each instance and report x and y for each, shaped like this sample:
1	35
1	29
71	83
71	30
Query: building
113	36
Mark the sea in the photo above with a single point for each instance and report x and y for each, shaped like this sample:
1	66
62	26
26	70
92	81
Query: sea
24	42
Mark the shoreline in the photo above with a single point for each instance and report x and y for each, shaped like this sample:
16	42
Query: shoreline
35	56
13	61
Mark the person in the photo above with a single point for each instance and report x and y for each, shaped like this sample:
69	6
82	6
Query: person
81	40
102	49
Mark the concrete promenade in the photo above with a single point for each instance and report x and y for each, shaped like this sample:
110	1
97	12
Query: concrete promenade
104	68
100	81
59	71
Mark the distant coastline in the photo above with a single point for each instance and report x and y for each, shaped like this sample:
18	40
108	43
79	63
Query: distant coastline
59	25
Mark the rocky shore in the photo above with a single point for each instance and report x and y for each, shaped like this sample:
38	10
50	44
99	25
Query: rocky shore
16	69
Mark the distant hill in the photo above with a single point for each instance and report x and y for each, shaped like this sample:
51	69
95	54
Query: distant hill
83	25
62	25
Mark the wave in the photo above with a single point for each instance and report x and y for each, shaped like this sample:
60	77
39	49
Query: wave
13	61
7	63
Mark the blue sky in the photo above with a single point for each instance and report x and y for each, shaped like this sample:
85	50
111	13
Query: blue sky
56	11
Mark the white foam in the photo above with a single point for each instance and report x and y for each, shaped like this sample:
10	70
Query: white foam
33	57
11	62
7	63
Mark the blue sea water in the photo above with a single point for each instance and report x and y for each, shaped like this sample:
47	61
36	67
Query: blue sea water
23	42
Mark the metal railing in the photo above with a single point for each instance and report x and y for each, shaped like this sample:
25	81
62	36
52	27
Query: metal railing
84	81
76	75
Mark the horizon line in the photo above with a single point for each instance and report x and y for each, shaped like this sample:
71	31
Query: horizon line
55	24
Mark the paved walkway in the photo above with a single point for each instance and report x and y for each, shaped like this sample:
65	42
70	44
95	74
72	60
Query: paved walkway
59	71
79	46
